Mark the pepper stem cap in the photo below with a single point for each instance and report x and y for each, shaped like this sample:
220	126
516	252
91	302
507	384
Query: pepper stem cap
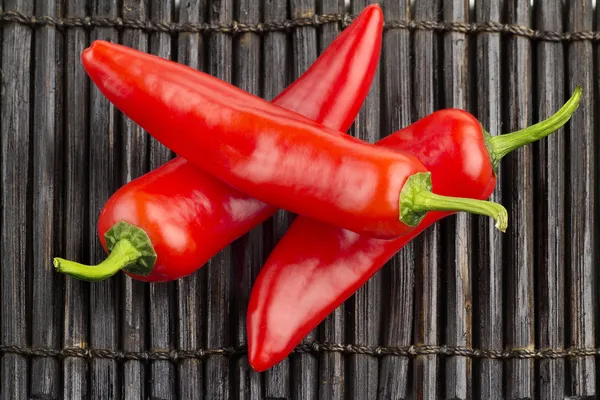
416	199
129	249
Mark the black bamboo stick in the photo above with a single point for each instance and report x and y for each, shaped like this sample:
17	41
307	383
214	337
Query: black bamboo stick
47	202
276	76
161	323
304	365
15	131
102	175
134	163
427	276
488	273
248	249
331	365
76	169
580	203
399	272
458	243
518	178
365	305
191	290
550	192
219	313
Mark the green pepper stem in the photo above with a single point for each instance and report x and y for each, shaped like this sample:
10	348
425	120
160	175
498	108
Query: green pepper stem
427	201
500	145
416	199
122	255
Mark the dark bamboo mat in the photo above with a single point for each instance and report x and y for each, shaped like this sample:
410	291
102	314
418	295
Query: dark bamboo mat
462	312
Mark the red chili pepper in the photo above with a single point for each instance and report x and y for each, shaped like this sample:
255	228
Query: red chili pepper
181	216
315	267
268	152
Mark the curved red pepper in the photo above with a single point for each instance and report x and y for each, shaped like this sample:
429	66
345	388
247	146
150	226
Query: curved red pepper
316	267
186	214
268	152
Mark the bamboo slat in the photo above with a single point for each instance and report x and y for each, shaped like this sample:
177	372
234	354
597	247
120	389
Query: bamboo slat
364	324
580	276
276	76
76	116
518	169
331	365
47	206
487	274
133	164
304	367
161	295
550	221
427	270
399	273
191	290
219	281
102	175
15	128
249	256
457	229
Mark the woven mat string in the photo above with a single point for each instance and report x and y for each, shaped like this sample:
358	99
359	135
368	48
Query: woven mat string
236	28
377	351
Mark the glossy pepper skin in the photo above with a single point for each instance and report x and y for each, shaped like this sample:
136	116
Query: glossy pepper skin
268	152
316	267
188	215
